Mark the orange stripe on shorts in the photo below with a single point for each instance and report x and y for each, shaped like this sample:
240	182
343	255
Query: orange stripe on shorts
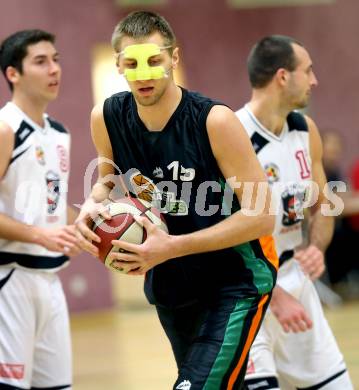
268	248
252	331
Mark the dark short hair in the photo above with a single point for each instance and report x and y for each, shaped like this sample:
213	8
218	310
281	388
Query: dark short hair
141	24
267	56
13	49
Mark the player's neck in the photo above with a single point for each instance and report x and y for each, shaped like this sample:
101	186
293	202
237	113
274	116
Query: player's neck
155	117
269	112
33	108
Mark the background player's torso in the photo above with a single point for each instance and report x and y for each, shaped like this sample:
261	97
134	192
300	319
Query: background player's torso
287	164
34	187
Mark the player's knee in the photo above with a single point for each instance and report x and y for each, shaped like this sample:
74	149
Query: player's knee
263	383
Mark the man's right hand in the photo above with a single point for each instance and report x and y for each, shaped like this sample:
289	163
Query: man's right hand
289	312
89	212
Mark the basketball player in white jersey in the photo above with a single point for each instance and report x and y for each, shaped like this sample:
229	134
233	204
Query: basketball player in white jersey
295	348
35	238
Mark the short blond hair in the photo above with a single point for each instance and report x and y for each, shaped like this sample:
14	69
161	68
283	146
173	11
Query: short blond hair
141	24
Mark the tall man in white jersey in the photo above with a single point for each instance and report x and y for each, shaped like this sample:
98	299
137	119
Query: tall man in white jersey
295	348
35	238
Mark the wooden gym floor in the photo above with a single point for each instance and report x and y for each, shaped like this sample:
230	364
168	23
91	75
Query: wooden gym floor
126	349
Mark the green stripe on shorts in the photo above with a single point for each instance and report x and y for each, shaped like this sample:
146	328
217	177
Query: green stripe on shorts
262	275
233	334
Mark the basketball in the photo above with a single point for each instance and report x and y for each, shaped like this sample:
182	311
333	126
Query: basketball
123	226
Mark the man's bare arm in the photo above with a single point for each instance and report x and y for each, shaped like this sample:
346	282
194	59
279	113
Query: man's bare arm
236	159
94	204
321	227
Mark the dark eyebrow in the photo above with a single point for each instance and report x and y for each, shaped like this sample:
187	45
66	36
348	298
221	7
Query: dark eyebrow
40	56
44	56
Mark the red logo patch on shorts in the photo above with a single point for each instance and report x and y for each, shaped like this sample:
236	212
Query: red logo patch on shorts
15	371
250	367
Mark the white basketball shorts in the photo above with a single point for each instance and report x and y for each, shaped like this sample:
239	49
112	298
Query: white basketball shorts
306	360
35	345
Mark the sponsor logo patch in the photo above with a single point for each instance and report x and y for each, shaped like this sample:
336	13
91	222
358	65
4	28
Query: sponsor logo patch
14	371
40	155
184	385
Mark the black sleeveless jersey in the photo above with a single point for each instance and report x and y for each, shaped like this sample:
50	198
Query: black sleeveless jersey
175	170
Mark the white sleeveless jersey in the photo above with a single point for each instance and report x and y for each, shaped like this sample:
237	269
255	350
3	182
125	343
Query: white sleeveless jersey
287	164
34	187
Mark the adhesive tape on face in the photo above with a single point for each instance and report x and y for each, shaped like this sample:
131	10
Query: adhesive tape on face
142	53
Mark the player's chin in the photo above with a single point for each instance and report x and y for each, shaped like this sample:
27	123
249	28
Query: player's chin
50	96
146	102
149	100
303	103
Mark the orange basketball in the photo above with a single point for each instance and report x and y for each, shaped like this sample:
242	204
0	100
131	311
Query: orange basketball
123	226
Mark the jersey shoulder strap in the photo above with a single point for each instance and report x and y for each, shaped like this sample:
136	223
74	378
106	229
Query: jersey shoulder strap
296	121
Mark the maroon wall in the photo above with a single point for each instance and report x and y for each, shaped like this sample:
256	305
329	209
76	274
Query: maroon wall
215	41
77	27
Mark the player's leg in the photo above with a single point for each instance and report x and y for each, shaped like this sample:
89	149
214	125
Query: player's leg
217	358
17	319
52	357
261	371
181	326
312	359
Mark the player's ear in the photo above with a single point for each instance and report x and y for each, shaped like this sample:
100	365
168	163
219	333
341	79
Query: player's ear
120	69
12	74
117	59
281	76
175	58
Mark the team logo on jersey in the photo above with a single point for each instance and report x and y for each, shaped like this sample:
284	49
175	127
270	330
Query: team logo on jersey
272	172
143	187
40	155
165	201
293	198
53	191
158	172
64	161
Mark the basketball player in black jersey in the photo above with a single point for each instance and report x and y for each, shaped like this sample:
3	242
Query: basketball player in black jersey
211	276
